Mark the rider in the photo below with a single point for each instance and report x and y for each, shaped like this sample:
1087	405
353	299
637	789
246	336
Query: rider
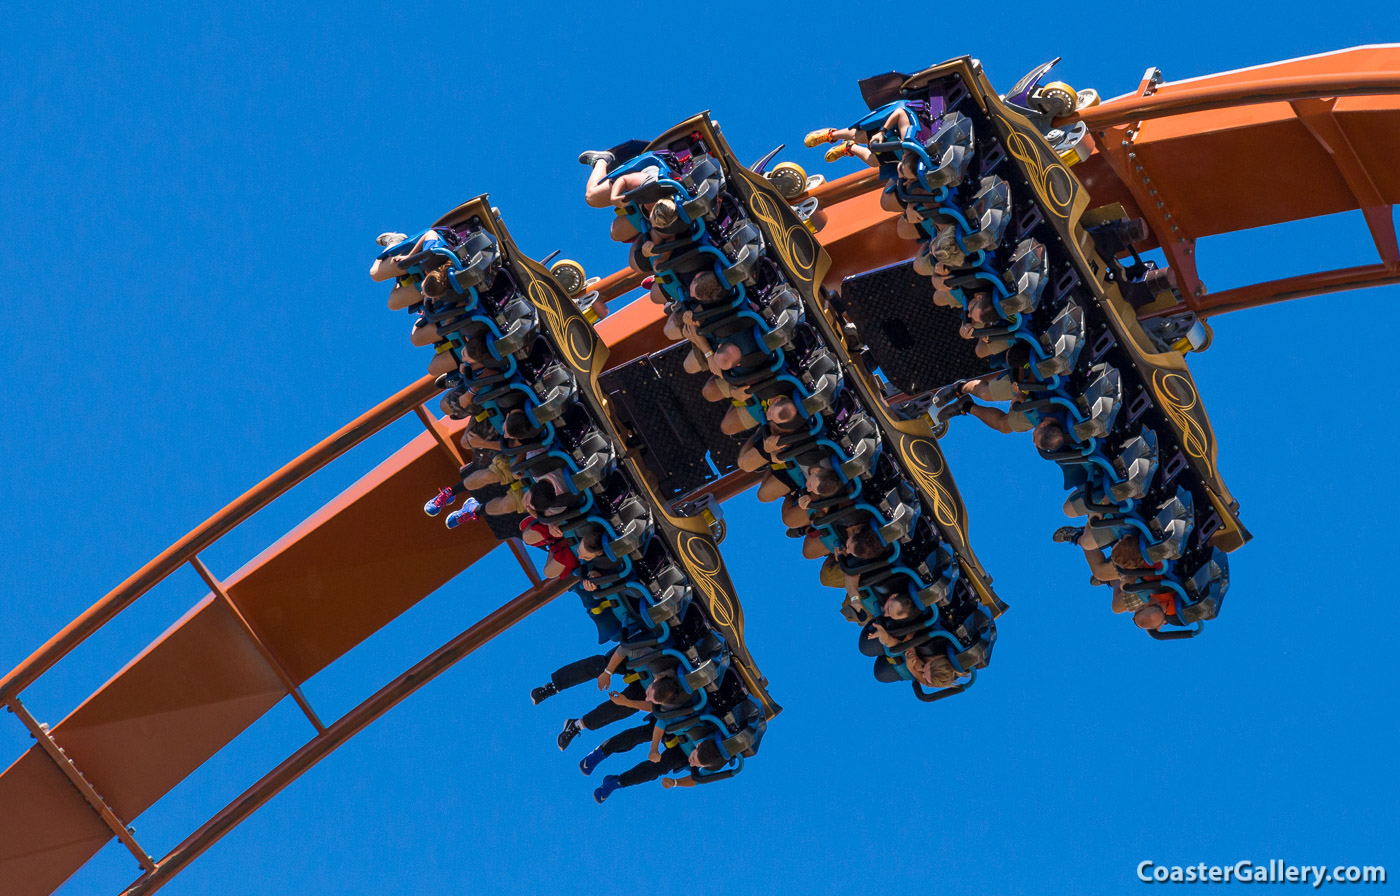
706	754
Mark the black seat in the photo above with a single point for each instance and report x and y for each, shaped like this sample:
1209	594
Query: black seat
1170	527
1135	466
1098	404
705	181
1028	272
991	211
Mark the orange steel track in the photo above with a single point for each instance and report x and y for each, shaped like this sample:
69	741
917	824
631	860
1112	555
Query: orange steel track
1200	157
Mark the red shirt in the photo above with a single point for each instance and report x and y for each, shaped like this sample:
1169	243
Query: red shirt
558	548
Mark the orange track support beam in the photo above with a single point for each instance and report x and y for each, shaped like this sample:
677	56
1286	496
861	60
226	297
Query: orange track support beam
216	527
1211	97
344	728
325	587
1252	148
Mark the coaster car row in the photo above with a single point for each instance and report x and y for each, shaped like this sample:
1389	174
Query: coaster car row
518	357
740	275
1000	222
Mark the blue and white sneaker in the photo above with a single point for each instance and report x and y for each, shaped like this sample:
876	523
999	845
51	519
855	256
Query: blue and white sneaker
468	512
445	496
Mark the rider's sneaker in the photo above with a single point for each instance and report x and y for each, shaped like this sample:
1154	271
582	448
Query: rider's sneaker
390	239
468	512
543	693
610	785
947	394
1068	533
594	156
590	762
818	137
445	496
958	408
840	150
572	729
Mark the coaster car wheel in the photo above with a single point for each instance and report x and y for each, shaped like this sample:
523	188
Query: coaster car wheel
789	179
569	275
1055	99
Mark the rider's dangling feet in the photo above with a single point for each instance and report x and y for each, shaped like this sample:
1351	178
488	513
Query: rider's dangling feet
947	394
445	496
1068	534
590	762
468	512
572	729
543	693
610	785
957	408
840	151
818	137
594	156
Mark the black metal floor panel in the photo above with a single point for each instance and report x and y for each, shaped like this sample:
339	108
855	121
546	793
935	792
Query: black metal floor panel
915	342
681	443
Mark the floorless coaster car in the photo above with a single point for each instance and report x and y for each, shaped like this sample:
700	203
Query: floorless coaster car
851	461
1063	217
636	529
688	538
1085	389
726	241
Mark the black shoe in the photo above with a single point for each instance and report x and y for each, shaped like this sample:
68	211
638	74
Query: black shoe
960	406
572	729
539	694
1068	533
947	394
593	157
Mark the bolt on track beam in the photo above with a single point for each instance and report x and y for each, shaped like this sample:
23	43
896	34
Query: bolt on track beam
80	782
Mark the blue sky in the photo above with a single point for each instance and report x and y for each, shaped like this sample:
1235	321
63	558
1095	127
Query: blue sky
188	199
